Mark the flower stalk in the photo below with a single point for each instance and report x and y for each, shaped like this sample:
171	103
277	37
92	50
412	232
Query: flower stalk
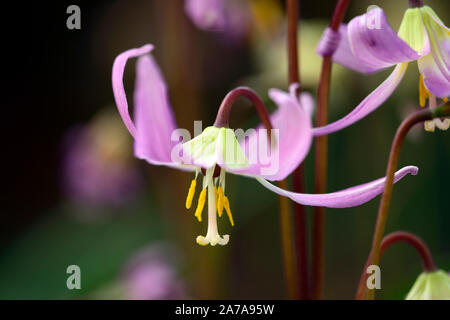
223	115
406	125
300	230
321	162
399	236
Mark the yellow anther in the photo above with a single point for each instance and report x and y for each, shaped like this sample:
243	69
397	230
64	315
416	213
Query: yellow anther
423	92
220	201
445	99
200	205
226	204
191	194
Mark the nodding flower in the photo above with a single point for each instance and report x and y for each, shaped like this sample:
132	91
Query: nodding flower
217	150
369	44
434	285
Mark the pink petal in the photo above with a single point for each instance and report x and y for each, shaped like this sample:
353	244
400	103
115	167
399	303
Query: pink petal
376	44
154	116
344	55
350	197
369	104
435	67
117	83
292	142
433	78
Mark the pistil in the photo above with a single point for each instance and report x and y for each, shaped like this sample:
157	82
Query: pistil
212	236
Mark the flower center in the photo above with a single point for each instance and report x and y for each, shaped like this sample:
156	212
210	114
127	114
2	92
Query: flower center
217	202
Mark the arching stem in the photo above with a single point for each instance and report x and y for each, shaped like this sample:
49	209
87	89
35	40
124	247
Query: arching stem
400	236
223	115
406	125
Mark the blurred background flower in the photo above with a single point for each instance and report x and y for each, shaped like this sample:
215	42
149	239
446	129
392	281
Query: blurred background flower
236	21
98	165
149	275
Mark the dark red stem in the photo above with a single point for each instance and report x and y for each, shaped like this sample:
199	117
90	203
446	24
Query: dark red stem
223	115
300	230
405	126
400	236
321	162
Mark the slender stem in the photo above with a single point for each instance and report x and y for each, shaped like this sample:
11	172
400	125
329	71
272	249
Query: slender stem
292	42
300	230
301	236
400	236
223	115
321	163
406	125
287	245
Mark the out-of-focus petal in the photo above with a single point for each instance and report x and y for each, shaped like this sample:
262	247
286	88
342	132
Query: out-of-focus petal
428	10
351	197
344	55
369	104
433	78
435	67
208	15
290	143
117	83
376	44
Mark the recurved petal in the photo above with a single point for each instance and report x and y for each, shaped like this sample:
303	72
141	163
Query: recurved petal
117	83
350	197
344	54
369	104
291	139
154	117
154	120
375	43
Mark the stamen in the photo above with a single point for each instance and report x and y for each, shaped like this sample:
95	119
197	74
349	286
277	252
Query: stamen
442	124
429	125
220	201
200	205
445	99
423	92
191	193
226	204
222	179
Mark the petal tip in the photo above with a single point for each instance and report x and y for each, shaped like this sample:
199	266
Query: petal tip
146	48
